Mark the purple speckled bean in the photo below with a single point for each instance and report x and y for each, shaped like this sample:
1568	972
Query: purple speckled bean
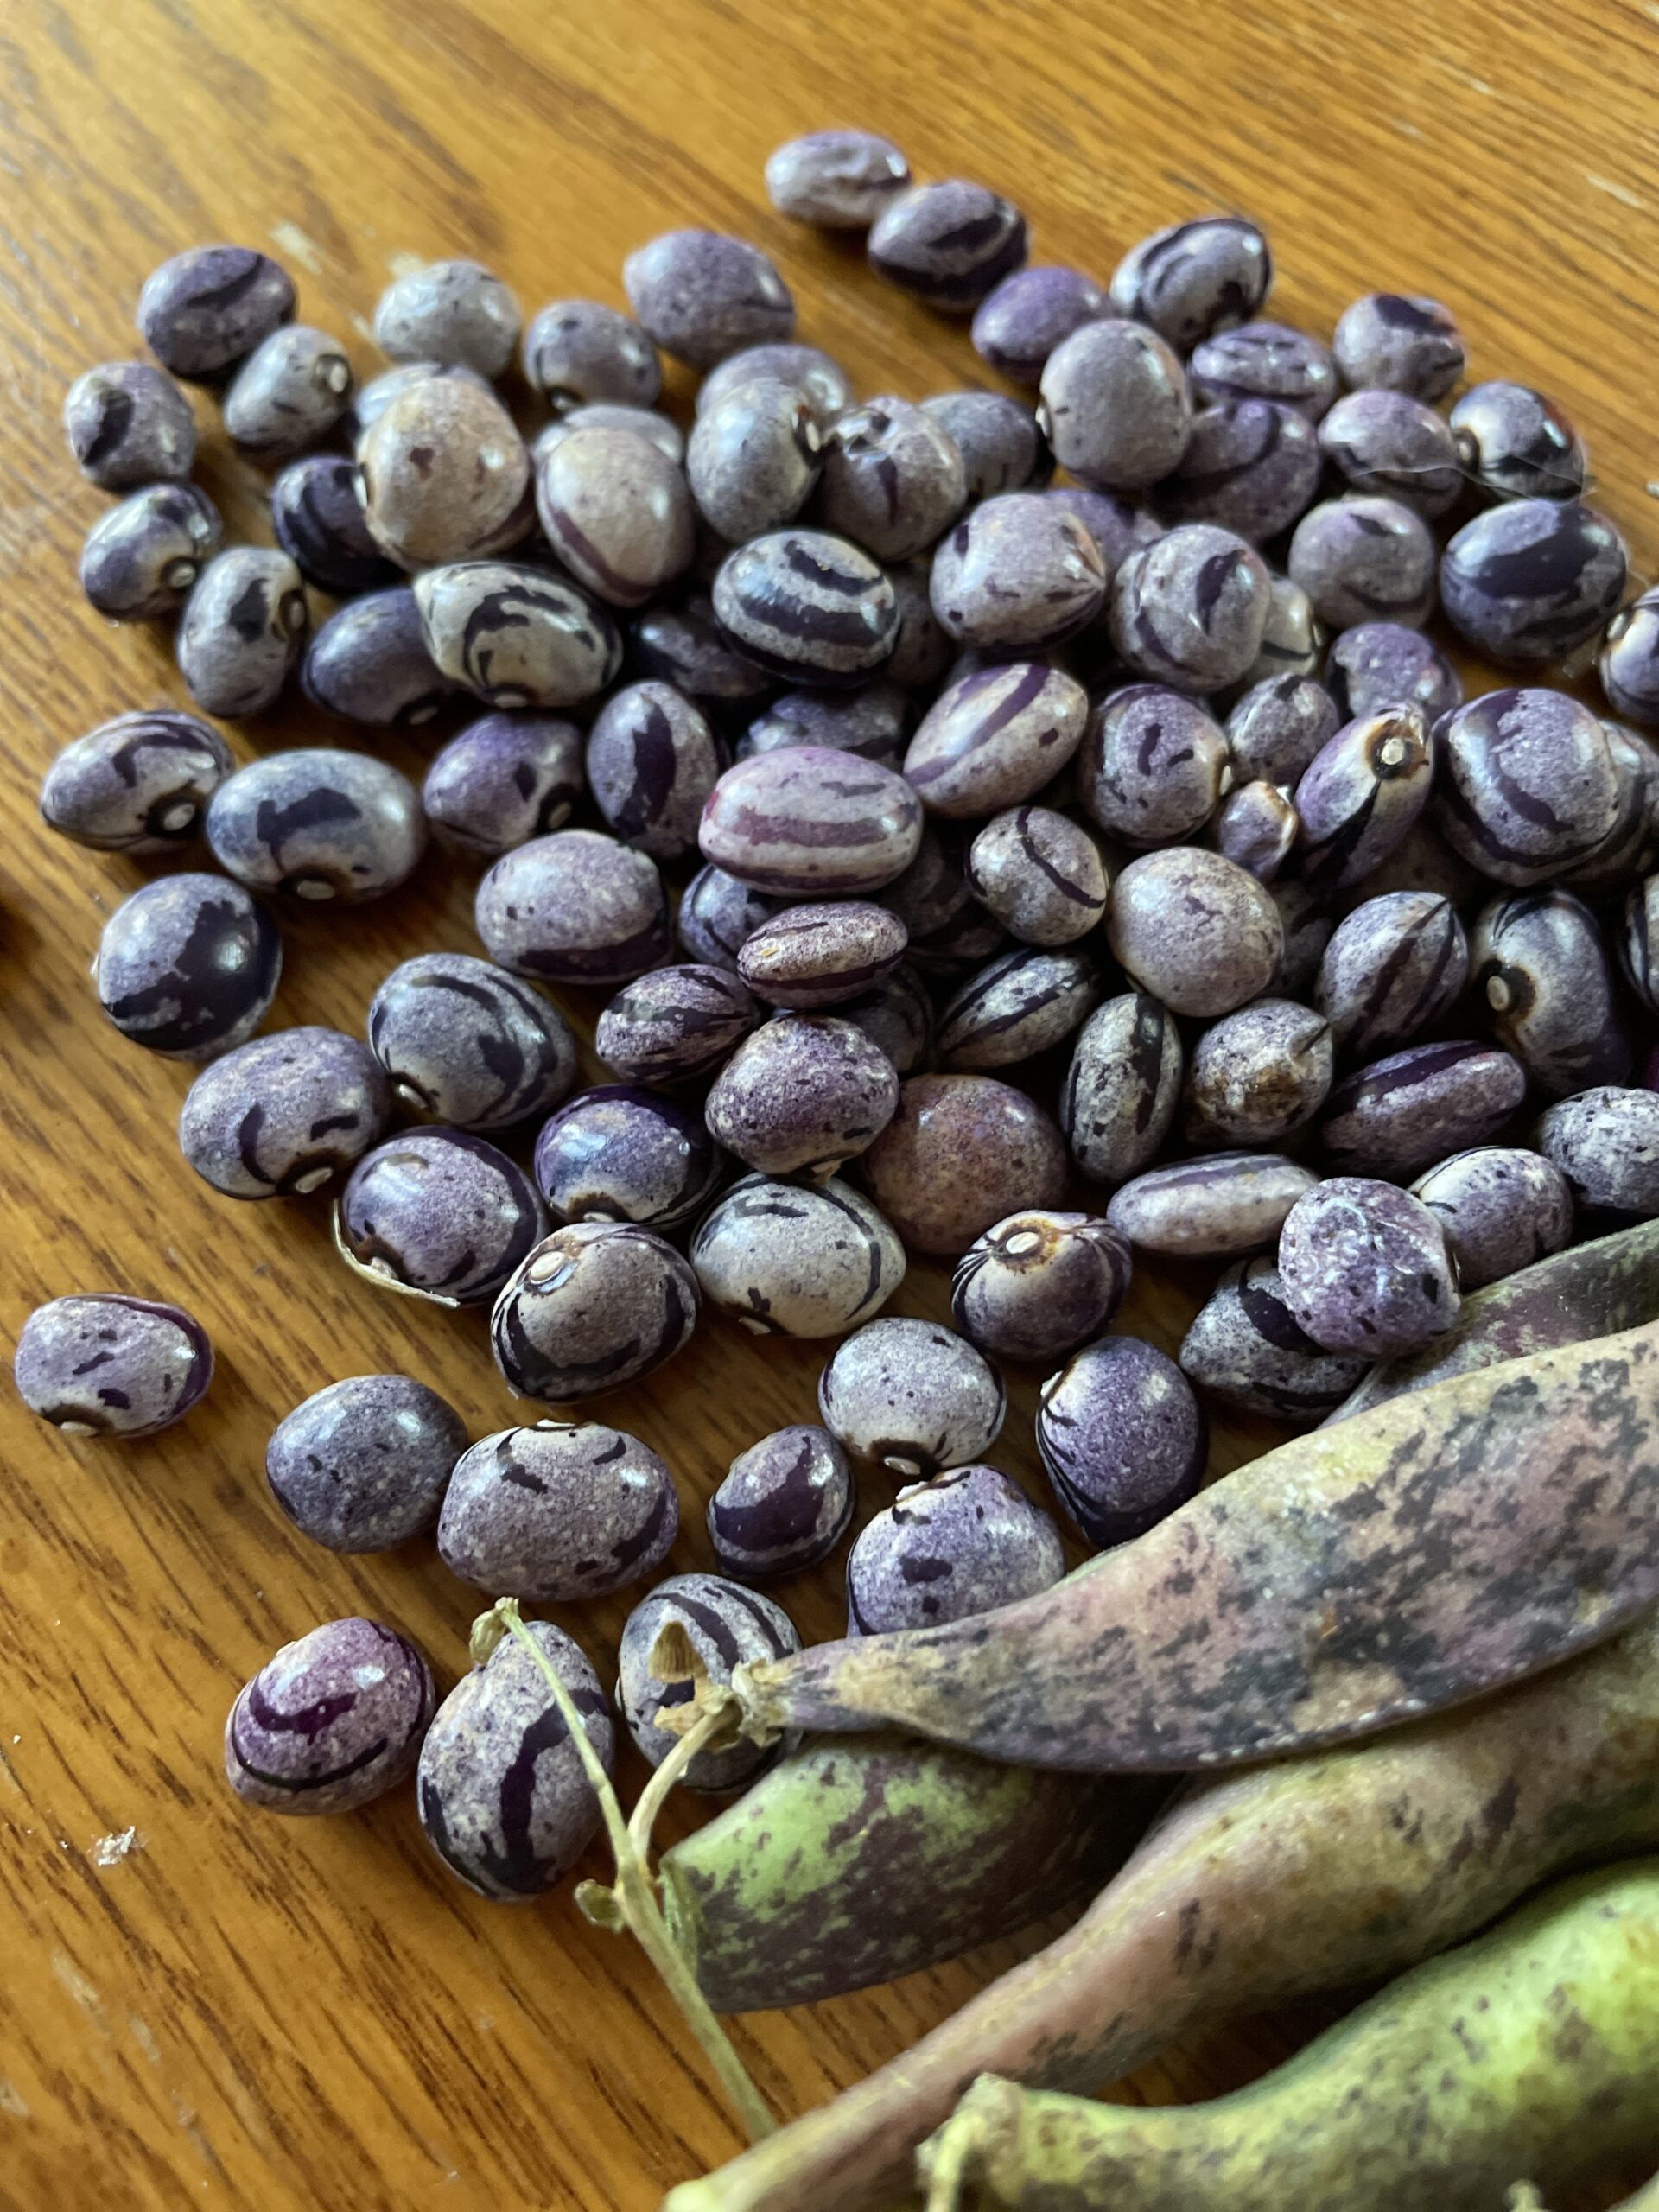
817	956
578	353
996	737
439	1213
890	477
728	1626
1001	447
1531	580
369	664
1257	1075
330	1722
675	1023
1637	941
449	311
651	762
596	1305
102	1363
242	632
1539	961
616	510
783	1505
839	180
1121	1088
318	520
1401	340
1605	1142
444	474
1528	784
1517	444
1123	1437
469	1044
1190	609
561	1511
287	394
1040	874
1038	1284
1396	1115
870	723
575	907
1251	466
1192	279
803	1093
806	822
807	606
515	636
318	824
1392	966
129	425
1018	326
701	295
819	378
1017	1005
139	784
1264	360
1364	560
1293	638
618	1153
284	1115
202	311
911	1396
718	915
1194	929
503	780
1276	729
753	459
1629	664
1020	572
950	931
1365	1269
362	1466
964	1543
1390	443
897	1017
1216	1208
680	643
1360	797
797	1259
1152	765
958	1152
1501	1209
1377	665
1114	406
1257	827
187	966
1246	1348
950	244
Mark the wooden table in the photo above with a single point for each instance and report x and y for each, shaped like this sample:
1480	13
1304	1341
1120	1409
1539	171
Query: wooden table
225	2010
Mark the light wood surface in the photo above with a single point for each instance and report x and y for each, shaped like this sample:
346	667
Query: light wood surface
242	2011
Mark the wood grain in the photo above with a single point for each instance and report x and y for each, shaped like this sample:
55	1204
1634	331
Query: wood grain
248	2012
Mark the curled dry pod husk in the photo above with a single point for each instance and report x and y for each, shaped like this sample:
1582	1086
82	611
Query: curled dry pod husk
859	1860
1401	2104
1203	1921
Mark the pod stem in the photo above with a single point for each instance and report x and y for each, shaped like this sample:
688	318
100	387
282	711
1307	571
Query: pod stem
950	2155
634	1894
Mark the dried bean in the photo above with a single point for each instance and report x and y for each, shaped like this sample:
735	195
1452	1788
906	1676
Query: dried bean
958	1151
797	1259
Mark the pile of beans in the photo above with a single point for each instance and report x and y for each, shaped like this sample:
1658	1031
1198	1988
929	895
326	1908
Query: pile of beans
858	766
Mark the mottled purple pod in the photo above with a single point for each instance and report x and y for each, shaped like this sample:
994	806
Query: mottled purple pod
1258	1075
675	1023
505	1799
596	1305
284	1115
784	1505
369	664
101	1364
139	784
1018	326
1264	360
1531	580
1114	407
1251	466
891	479
1001	447
806	822
617	512
964	1543
1019	1005
1629	664
1257	827
318	824
1501	1209
618	1153
1152	765
1364	560
1246	1348
717	916
202	311
1377	665
870	723
515	636
439	1212
575	907
1518	445
469	1044
726	1626
580	351
1040	874
811	956
958	1152
243	629
1605	1142
129	425
1396	1115
506	779
1195	278
1528	784
1018	573
1037	1284
1121	1088
362	1466
1365	1267
803	1093
701	295
445	475
996	737
1539	962
797	1259
651	762
1190	609
187	966
561	1512
1194	929
1402	342
1123	1437
1360	797
838	179
141	559
330	1722
808	607
1277	727
1216	1208
753	458
911	1396
1392	966
947	244
318	521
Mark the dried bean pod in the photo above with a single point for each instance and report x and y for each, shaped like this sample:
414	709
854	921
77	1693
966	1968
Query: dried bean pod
369	664
1246	1348
139	784
1396	1115
616	1154
1251	466
1017	1006
651	762
504	779
1114	406
616	511
958	1150
1040	874
949	244
1402	342
330	1722
1378	664
1366	1269
674	1024
515	636
1278	726
996	737
1257	1075
1217	1208
1539	962
1606	1143
1392	966
1121	1088
1528	784
1360	797
783	1505
965	1543
561	1511
806	822
1502	1210
573	908
596	1305
891	479
809	957
1020	572
468	1045
1194	929
803	1094
1518	445
1365	559
1153	766
1531	580
911	1396
1038	1284
1191	610
797	1259
1123	1437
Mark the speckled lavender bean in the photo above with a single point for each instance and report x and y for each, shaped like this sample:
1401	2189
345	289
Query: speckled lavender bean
1364	560
1251	466
806	369
618	1153
1038	1284
1018	326
657	429
562	1511
1258	1075
595	1305
1401	340
244	629
202	311
803	1093
911	1396
897	1017
1292	638
1306	923
921	650
959	1152
371	400
1528	784
839	180
675	1023
728	1626
1392	966
1114	406
504	1800
1121	1087
187	966
1195	278
950	244
1637	941
1040	874
128	425
1264	360
1277	727
1019	1005
576	907
516	636
288	393
445	475
1246	1348
871	722
141	560
1531	580
892	478
1152	767
1539	962
369	664
682	644
469	1044
964	1543
450	312
817	956
617	512
1001	446
1501	1210
506	779
804	605
1116	524
1632	846
1216	1208
794	1259
101	1364
1194	929
362	1466
784	1505
1388	443
139	784
1123	1437
318	824
577	351
996	737
717	915
950	931
806	821
1190	609
330	1721
753	458
1605	1142
1364	1269
1629	664
1360	797
651	762
441	1213
1020	572
1517	444
1396	1115
319	522
1257	827
1377	665
701	295
284	1115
